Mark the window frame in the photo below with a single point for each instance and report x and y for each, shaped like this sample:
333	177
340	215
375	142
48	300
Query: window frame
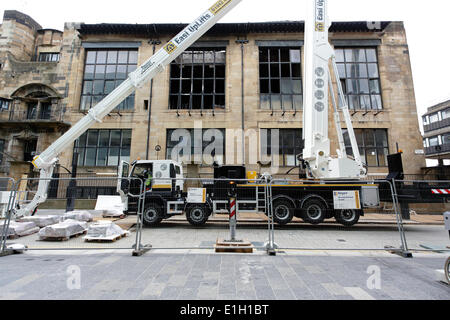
364	146
178	95
82	149
5	102
88	95
283	132
344	80
49	57
270	79
171	144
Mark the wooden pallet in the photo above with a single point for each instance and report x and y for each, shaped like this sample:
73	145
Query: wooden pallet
110	216
243	246
106	240
63	238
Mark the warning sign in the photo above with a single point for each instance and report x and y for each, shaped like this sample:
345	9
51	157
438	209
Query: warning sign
346	200
196	195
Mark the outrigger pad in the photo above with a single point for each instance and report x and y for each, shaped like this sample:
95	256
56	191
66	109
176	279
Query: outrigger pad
239	246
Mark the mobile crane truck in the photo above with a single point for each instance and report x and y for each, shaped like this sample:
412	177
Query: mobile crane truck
313	202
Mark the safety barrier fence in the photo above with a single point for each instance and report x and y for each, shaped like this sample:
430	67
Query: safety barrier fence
272	214
53	211
199	216
7	200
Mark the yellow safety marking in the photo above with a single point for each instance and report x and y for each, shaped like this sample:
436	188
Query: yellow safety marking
320	26
219	5
358	204
35	158
170	47
162	186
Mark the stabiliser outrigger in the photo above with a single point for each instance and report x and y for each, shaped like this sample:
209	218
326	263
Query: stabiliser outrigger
340	193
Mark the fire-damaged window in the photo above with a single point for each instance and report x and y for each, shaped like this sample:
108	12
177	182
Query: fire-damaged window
373	146
197	79
104	71
280	78
290	144
100	148
360	77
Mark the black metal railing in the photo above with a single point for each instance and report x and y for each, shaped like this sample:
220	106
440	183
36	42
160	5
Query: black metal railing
436	125
45	114
437	149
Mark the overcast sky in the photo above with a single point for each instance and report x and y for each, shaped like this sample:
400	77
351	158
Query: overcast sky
425	22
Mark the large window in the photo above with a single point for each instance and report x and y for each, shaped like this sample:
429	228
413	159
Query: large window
98	148
49	57
197	79
360	78
280	79
290	145
208	143
2	148
103	72
373	146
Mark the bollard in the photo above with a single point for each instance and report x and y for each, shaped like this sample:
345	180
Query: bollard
232	212
233	245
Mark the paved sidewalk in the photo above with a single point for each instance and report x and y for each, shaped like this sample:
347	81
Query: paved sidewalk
169	276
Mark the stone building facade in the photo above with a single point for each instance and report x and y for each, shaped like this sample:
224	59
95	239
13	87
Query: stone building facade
238	76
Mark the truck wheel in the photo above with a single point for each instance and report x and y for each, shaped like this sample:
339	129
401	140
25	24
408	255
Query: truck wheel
313	211
283	212
197	215
152	215
347	217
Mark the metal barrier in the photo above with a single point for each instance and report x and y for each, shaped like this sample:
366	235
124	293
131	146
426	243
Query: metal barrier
25	189
424	203
312	202
189	223
178	221
7	202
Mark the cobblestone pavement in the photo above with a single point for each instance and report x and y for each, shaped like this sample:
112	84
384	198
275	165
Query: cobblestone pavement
190	275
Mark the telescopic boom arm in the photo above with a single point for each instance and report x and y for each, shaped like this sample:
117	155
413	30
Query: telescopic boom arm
317	85
156	64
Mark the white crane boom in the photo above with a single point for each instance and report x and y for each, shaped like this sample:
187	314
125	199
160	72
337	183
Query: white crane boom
148	70
317	85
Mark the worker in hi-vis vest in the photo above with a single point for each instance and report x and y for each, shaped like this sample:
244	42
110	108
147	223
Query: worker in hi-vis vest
148	180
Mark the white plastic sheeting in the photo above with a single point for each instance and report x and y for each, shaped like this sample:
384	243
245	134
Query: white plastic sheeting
64	229
80	215
104	230
41	221
19	229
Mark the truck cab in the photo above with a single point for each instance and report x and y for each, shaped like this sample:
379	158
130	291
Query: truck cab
162	183
158	176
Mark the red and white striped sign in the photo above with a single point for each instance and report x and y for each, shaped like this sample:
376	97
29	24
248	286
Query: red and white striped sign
440	191
232	208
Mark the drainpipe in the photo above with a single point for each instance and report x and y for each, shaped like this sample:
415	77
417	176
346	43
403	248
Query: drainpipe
154	43
242	42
